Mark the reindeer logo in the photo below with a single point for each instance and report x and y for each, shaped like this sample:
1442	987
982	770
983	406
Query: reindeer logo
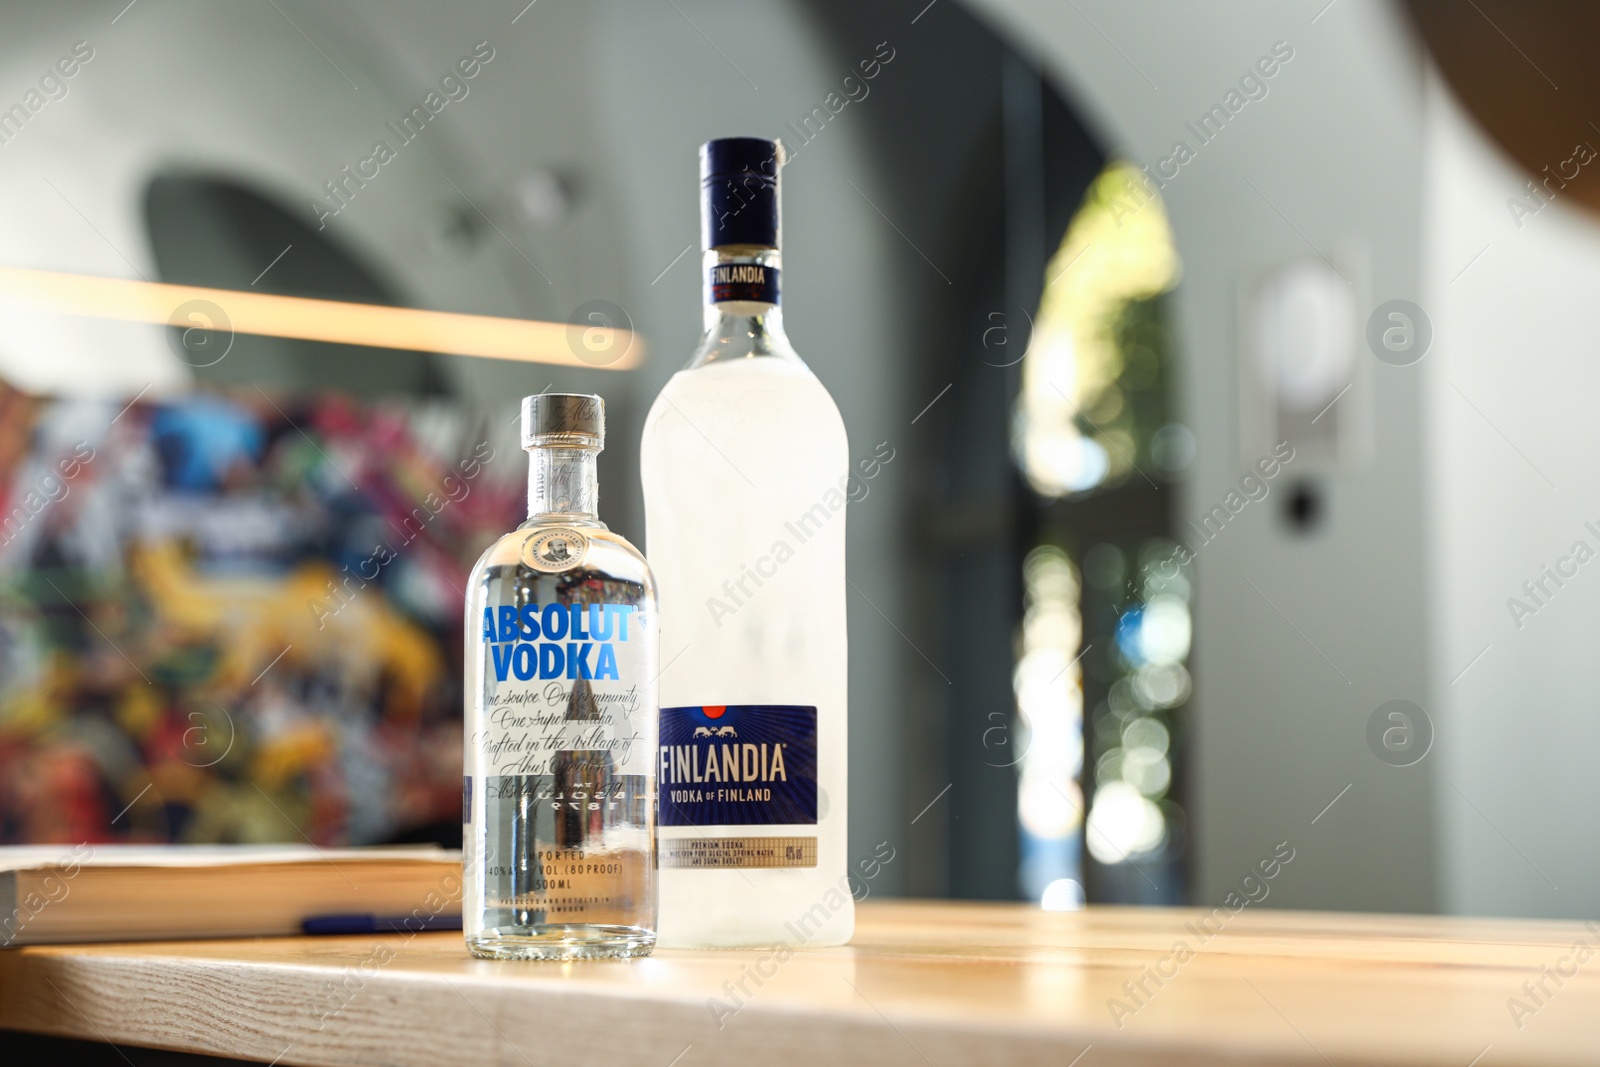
727	731
702	731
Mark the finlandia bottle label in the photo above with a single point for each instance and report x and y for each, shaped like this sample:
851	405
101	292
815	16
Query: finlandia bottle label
746	765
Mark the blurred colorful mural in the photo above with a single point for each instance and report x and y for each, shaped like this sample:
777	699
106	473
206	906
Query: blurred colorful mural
235	616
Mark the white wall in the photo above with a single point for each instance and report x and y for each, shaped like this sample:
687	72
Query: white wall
1512	390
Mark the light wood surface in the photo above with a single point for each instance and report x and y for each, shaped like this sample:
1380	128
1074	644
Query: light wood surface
924	983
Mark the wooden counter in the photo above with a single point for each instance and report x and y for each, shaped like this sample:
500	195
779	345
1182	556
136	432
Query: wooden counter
925	983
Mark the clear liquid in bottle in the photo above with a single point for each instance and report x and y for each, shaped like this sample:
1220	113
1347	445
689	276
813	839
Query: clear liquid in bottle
561	717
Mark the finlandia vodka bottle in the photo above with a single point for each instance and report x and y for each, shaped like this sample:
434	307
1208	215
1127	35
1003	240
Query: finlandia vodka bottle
744	467
561	652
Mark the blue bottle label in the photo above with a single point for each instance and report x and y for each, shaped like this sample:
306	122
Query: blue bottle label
738	765
744	281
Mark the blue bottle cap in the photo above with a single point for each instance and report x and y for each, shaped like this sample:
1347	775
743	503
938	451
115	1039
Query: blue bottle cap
739	192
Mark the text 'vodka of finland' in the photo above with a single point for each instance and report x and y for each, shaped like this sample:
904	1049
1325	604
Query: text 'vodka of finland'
561	661
744	465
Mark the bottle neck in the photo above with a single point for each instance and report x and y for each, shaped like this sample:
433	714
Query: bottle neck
562	485
743	312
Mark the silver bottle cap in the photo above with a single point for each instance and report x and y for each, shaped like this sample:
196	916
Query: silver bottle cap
564	419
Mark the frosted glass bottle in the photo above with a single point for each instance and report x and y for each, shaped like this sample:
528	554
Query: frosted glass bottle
745	464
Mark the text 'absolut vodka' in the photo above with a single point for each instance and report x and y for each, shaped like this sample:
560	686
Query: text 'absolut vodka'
556	641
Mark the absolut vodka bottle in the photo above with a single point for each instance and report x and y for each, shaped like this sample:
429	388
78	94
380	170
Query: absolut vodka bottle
561	653
745	467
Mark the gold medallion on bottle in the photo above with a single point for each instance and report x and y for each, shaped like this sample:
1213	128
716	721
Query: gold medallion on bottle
555	549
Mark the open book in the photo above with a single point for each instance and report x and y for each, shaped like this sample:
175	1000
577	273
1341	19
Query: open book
56	893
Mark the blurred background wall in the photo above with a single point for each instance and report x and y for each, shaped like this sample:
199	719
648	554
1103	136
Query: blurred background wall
1460	483
565	176
1427	484
1303	628
1510	495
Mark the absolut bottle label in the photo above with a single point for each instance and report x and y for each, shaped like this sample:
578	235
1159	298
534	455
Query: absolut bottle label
738	765
563	679
743	281
566	751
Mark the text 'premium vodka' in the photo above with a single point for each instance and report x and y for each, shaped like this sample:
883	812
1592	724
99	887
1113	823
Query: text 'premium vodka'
745	464
561	649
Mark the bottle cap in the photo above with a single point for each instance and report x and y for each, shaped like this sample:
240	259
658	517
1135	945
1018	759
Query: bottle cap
739	192
564	419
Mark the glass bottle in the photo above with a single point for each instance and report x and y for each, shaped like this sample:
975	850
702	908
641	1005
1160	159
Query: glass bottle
561	662
746	470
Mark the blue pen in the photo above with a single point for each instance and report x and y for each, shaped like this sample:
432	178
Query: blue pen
378	924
